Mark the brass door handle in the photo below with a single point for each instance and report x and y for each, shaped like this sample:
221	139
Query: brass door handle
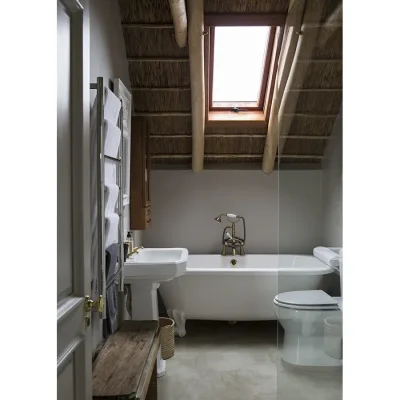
90	304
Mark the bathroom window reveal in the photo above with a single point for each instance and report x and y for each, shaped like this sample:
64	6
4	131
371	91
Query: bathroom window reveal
241	60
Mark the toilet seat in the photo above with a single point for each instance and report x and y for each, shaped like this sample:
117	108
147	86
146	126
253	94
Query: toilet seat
306	300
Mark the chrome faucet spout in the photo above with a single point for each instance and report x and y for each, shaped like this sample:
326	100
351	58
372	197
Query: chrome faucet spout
218	218
135	250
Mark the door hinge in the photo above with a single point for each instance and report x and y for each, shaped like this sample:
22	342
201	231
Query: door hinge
91	305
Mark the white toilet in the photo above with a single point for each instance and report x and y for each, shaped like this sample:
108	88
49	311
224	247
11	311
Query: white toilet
302	315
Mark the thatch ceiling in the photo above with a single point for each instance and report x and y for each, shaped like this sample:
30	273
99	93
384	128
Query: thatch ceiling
159	73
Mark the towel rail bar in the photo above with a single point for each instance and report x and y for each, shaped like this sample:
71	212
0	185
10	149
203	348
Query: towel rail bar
100	188
121	199
118	160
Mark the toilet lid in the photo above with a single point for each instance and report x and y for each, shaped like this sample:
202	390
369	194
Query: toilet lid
309	298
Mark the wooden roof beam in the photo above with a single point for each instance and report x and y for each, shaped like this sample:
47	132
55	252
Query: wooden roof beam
159	89
320	60
240	136
159	59
305	137
178	13
196	57
162	114
328	90
286	73
295	45
301	156
294	114
217	156
286	60
171	156
147	26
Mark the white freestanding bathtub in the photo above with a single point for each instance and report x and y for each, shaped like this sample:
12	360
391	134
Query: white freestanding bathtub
213	289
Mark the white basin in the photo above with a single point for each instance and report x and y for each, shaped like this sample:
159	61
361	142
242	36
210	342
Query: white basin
144	271
156	264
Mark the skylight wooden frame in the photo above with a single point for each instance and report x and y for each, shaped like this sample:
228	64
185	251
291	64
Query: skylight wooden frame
255	114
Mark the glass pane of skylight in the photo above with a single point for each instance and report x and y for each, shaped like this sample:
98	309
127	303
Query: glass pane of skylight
239	54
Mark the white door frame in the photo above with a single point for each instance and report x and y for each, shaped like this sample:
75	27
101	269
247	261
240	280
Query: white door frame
74	347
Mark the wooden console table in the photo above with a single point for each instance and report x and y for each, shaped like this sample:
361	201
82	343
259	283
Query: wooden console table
126	367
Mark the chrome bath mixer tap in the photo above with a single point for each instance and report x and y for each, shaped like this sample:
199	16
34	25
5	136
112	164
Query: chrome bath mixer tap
229	239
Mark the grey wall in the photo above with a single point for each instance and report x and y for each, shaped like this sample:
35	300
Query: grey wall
107	59
107	47
300	211
184	205
332	188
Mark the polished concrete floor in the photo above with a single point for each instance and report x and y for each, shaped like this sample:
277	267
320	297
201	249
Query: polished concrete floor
218	361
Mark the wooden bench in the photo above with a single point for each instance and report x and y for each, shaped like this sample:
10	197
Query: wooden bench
126	367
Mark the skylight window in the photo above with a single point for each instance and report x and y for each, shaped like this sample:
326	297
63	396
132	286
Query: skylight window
239	61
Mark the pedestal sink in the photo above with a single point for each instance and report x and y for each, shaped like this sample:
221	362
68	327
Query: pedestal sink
144	271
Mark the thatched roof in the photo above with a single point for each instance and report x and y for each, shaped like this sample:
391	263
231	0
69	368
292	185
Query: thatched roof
159	73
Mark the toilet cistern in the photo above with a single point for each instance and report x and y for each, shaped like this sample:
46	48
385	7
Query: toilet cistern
229	239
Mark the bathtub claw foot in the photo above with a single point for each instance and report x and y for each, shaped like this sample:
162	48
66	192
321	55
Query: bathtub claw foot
180	322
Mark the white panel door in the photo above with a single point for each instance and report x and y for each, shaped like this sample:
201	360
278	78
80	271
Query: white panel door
74	350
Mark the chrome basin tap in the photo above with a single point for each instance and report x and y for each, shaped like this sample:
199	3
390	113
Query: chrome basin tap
229	239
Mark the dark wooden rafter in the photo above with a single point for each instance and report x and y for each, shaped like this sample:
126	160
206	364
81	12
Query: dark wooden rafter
240	135
163	114
235	156
157	89
147	26
159	59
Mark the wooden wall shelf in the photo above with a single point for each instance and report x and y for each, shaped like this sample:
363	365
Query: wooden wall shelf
140	188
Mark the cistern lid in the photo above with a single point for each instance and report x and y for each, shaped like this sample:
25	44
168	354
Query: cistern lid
306	298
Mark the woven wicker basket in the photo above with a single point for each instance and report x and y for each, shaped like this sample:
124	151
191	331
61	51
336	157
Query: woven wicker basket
167	337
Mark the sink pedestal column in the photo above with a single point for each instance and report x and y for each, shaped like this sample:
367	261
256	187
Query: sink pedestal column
144	299
144	307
